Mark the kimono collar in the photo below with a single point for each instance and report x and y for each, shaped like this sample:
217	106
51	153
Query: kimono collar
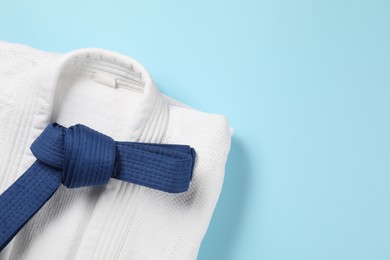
113	87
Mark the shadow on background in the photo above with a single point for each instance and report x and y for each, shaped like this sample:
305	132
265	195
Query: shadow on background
228	215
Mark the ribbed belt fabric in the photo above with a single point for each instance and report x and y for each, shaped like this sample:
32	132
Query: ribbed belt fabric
79	156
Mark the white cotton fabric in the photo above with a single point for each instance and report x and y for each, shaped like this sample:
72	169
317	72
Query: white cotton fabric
114	94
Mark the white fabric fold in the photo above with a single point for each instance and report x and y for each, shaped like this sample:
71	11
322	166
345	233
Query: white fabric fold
114	94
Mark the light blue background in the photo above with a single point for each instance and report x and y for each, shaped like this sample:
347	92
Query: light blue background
305	84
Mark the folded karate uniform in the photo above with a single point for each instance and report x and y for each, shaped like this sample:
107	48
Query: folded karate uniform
115	95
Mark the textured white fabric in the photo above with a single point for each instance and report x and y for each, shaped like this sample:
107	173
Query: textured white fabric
113	94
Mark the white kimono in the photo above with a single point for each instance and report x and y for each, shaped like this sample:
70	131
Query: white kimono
113	94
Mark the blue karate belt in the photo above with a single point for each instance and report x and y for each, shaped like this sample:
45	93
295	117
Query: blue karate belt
79	156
